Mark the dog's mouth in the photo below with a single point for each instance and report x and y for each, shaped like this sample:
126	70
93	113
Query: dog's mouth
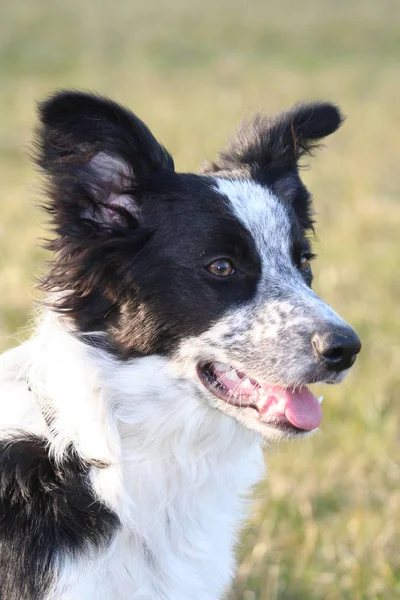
290	409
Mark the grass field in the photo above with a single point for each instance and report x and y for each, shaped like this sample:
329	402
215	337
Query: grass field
326	524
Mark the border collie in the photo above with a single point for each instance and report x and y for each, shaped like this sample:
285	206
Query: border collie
180	331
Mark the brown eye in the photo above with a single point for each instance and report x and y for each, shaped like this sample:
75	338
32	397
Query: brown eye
304	263
221	268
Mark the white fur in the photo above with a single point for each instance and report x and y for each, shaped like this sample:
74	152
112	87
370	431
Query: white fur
261	213
178	469
267	219
176	462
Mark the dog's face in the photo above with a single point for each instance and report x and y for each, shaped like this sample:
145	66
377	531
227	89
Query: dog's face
211	271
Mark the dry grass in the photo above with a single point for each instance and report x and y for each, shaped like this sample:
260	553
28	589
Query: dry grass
326	524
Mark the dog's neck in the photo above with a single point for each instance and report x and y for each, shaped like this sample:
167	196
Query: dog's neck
173	469
136	416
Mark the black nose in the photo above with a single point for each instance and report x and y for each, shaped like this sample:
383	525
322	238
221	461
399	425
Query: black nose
337	348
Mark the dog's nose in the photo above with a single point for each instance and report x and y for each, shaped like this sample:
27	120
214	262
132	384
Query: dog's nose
337	348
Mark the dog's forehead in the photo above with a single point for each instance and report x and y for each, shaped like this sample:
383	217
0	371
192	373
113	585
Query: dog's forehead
260	211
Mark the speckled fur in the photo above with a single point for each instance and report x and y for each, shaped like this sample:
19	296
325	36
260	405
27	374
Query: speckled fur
105	421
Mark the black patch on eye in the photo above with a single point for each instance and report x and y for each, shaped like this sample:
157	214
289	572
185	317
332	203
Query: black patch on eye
47	510
148	287
171	294
140	279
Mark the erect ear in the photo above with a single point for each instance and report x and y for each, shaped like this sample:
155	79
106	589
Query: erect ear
98	156
268	148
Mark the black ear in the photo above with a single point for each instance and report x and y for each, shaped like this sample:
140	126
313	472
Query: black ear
98	156
267	148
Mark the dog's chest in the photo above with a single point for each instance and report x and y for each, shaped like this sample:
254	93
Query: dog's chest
181	522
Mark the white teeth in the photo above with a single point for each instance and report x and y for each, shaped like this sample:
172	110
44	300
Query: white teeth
220	366
233	376
247	385
320	399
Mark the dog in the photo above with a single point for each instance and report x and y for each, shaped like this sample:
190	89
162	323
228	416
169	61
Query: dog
179	334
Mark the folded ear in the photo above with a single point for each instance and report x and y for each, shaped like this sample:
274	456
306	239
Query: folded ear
266	148
97	156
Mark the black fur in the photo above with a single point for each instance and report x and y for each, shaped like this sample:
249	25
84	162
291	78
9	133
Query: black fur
133	240
268	151
76	125
47	512
140	274
178	225
270	148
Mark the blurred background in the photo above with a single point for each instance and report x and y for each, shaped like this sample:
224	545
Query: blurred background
326	524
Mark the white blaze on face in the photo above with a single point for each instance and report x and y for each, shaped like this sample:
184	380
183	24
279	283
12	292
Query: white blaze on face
259	356
263	215
268	221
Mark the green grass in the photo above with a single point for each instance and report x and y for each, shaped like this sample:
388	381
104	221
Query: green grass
326	522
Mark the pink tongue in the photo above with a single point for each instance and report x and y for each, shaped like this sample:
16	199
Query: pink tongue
298	405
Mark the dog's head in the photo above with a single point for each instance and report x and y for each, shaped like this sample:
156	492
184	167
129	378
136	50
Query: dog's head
212	271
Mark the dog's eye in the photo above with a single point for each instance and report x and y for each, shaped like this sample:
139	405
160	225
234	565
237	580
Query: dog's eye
221	268
305	262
